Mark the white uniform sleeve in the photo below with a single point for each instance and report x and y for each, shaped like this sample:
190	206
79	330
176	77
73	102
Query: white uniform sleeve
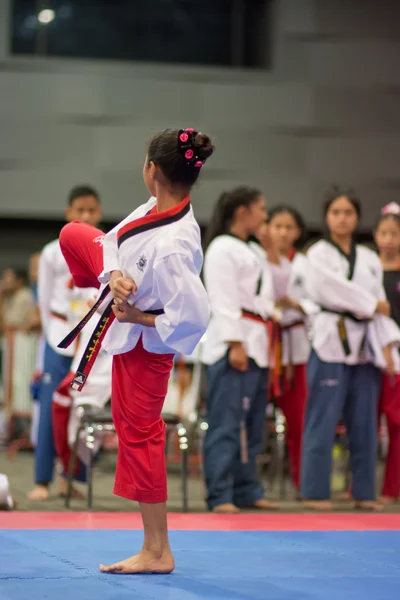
220	278
45	286
185	301
381	294
386	330
332	291
309	307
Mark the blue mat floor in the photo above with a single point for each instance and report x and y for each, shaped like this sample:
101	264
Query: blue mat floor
63	565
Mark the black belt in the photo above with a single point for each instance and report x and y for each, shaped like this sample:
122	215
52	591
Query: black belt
343	331
93	347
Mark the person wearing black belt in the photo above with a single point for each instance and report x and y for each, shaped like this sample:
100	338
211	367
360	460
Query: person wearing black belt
351	336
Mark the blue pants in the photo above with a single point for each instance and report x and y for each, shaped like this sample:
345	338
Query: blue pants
55	368
228	480
334	391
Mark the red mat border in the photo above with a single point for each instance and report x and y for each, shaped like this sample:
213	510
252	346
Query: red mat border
203	522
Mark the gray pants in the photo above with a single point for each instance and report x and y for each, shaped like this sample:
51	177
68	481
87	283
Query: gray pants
334	391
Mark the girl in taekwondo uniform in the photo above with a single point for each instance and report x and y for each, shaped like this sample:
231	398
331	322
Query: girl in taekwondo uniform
291	344
239	283
387	239
351	337
153	306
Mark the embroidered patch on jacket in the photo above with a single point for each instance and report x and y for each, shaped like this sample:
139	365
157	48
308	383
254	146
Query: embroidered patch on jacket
141	263
298	281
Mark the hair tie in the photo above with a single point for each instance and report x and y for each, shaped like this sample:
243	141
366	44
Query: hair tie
391	209
186	147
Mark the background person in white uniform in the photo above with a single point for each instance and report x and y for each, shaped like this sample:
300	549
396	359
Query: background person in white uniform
350	337
239	283
53	299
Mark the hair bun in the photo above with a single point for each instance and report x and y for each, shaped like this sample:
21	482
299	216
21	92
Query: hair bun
203	146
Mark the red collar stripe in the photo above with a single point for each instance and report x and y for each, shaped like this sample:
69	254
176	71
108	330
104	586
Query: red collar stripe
152	220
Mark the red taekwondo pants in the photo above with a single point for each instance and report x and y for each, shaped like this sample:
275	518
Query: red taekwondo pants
390	406
139	385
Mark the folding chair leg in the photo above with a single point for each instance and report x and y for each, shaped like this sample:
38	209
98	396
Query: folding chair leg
89	468
184	447
72	465
281	453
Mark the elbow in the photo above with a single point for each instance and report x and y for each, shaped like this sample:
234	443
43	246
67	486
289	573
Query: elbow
183	332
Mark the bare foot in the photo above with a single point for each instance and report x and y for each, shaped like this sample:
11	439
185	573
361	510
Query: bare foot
368	505
263	504
319	505
144	562
387	500
345	497
226	509
39	493
62	489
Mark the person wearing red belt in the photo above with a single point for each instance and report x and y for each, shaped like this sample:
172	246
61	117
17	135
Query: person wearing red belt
236	352
291	350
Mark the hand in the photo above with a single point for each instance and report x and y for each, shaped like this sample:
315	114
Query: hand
383	308
287	302
125	313
388	356
238	358
122	287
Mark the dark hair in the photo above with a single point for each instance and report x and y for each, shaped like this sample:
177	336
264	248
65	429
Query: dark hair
82	191
225	209
164	152
19	273
385	217
336	192
289	210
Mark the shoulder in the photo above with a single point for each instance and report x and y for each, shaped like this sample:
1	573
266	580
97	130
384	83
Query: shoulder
258	249
320	247
50	247
369	256
367	252
226	244
138	213
51	251
184	239
299	261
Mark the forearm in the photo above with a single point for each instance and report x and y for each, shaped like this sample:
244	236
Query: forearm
146	320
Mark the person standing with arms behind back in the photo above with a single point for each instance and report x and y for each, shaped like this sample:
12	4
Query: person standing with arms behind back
351	337
387	239
53	299
239	283
156	307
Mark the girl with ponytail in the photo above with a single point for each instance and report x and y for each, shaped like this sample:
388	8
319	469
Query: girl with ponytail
240	288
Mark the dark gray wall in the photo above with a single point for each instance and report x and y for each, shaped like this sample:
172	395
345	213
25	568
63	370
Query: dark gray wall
327	112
